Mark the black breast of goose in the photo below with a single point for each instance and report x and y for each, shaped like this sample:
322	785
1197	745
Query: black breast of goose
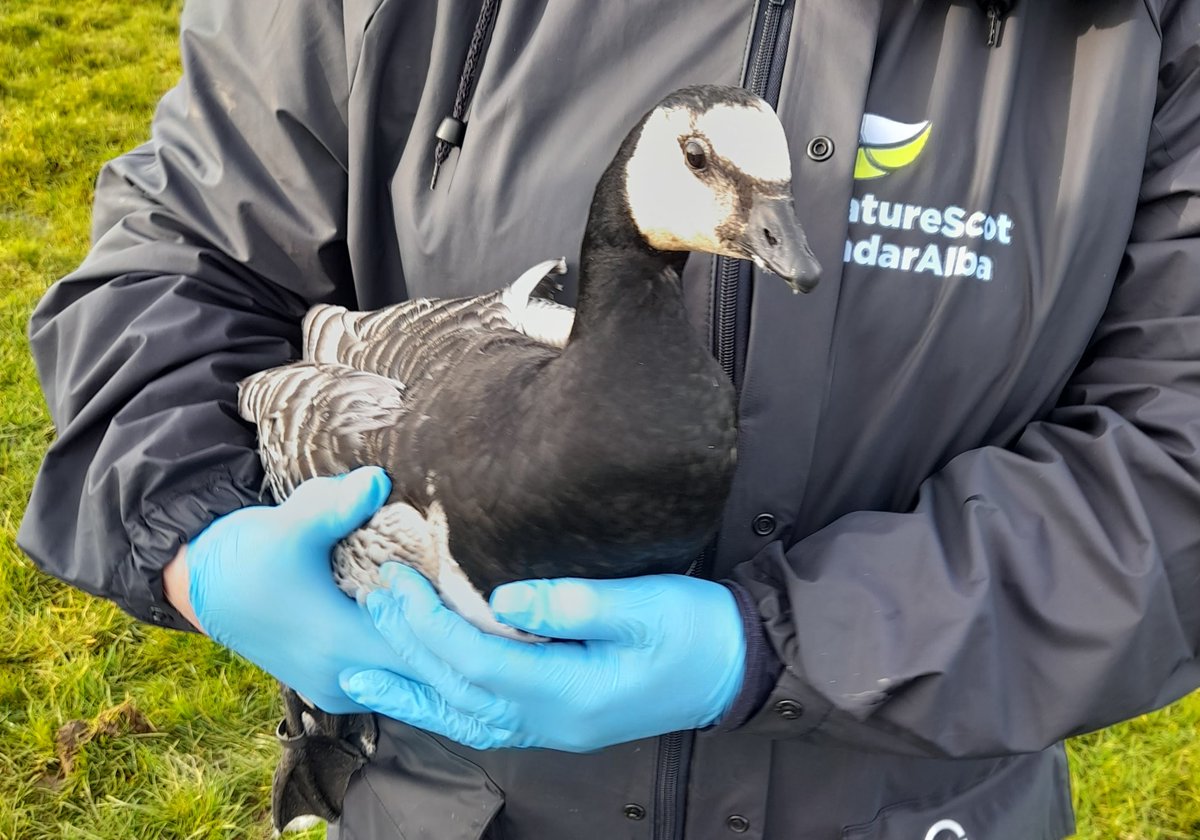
525	440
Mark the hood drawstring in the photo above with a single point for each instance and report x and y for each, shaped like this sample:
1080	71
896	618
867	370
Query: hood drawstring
996	11
453	128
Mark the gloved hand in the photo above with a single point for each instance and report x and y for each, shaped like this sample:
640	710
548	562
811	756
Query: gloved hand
260	584
653	655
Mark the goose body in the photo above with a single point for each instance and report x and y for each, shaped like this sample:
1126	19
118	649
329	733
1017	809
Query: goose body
603	457
525	439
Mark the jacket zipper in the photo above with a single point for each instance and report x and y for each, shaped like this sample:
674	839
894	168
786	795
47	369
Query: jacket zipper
765	72
667	784
767	65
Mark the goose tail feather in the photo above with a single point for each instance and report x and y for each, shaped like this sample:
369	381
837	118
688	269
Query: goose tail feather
530	309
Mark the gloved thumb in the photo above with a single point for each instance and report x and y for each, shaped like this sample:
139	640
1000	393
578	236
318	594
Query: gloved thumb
573	608
329	508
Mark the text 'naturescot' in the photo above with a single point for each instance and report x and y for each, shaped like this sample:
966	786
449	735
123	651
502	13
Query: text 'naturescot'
953	224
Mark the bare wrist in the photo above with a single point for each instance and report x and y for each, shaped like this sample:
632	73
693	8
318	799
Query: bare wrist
176	587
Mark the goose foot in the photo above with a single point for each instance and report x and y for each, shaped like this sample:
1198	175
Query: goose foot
320	752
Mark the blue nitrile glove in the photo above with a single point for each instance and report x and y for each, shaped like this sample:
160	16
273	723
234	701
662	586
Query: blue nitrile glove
654	654
260	584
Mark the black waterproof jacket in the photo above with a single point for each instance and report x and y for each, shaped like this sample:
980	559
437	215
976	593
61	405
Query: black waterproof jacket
967	507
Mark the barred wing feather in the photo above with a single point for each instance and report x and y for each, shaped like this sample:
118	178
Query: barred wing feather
319	419
407	341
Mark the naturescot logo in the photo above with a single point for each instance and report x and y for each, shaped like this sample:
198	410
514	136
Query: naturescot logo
946	241
887	145
952	253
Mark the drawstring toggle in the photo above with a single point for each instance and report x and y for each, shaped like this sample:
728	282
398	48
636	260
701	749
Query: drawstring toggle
450	133
452	130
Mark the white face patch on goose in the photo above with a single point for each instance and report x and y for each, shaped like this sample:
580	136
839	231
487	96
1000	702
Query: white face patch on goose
679	209
751	139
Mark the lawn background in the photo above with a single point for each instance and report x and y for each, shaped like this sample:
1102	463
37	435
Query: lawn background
113	729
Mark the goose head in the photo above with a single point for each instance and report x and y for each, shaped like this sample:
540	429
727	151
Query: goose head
708	170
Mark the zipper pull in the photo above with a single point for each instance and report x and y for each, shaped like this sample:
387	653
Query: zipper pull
995	21
997	11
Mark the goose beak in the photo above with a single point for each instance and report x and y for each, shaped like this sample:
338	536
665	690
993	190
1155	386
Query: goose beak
776	242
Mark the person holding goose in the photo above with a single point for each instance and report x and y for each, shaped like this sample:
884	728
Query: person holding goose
855	574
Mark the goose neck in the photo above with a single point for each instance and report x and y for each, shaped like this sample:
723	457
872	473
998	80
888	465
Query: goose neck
619	270
627	285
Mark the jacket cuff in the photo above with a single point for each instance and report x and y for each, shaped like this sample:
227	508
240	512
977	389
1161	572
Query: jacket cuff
792	707
164	526
762	665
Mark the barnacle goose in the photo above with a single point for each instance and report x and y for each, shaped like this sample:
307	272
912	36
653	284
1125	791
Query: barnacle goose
527	440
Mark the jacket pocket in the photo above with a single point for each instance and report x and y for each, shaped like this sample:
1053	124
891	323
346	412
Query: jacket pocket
416	789
1027	798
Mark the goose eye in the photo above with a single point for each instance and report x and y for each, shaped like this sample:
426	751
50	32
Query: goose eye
697	157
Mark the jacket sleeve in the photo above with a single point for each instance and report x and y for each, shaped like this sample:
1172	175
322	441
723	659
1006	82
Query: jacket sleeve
1040	590
209	242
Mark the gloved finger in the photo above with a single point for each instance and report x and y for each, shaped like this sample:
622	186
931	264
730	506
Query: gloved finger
423	665
482	658
423	707
350	639
580	609
330	507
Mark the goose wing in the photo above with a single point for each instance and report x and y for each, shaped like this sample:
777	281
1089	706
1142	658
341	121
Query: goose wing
318	419
410	340
342	405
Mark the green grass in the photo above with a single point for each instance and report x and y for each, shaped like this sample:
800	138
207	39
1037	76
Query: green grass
113	729
172	735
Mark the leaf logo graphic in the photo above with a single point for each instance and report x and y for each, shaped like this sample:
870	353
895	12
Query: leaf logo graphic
886	145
